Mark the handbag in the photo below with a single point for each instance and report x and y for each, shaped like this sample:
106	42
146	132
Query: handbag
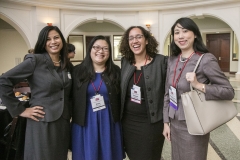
204	116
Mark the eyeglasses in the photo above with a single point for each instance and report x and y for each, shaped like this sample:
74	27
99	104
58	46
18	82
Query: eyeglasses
98	48
138	37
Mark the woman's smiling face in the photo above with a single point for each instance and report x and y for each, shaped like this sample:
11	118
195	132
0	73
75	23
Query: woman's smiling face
54	43
183	38
100	52
137	41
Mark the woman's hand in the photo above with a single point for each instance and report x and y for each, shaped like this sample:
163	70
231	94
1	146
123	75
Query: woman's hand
191	77
34	113
166	131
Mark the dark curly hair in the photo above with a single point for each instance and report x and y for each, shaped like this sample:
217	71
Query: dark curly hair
151	47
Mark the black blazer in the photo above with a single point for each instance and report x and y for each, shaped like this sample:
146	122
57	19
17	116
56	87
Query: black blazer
80	97
47	88
154	75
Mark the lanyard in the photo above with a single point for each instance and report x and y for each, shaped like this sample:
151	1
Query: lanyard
174	84
96	91
139	75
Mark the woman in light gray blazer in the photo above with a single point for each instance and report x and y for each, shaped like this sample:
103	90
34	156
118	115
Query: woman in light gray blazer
186	48
48	111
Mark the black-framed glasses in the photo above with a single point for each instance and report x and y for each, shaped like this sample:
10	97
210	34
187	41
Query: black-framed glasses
98	48
138	37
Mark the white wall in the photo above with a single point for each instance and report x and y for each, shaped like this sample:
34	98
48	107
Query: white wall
12	46
31	19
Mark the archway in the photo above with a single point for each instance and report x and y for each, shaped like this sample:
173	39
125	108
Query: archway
13	47
82	34
213	25
16	27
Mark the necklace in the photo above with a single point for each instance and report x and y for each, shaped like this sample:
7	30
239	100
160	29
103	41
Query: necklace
182	58
185	59
56	62
100	70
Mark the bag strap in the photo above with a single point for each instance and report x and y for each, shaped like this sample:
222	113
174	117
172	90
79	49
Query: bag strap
196	68
198	63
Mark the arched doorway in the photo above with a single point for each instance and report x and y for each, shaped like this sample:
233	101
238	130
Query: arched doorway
13	47
82	34
220	39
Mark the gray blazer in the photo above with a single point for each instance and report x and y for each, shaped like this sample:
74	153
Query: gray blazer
207	72
154	77
47	88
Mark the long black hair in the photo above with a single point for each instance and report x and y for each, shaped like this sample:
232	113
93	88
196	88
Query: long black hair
189	24
151	47
41	44
87	70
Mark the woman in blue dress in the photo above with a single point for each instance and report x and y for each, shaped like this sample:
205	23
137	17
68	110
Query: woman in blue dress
96	130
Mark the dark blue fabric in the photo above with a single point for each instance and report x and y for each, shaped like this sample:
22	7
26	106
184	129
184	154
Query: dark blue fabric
100	138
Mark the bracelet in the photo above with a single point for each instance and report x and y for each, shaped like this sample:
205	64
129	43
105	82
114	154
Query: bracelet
203	87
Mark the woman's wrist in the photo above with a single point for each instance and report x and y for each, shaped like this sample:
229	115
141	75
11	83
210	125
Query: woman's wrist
200	87
166	123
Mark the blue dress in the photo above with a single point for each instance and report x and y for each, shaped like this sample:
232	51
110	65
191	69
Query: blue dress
100	138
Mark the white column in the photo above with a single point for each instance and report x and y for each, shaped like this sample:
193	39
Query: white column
237	75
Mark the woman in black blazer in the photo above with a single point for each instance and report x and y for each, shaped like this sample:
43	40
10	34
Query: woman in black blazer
143	74
48	110
96	131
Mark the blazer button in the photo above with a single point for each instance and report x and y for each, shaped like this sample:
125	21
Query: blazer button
152	113
61	99
109	93
147	77
103	74
149	89
151	101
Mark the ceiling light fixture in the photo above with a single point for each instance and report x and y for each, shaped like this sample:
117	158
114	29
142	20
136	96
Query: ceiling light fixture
49	24
149	28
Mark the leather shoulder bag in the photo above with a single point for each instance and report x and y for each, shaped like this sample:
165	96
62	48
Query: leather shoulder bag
204	116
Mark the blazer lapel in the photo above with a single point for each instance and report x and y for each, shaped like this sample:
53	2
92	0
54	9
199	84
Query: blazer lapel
130	71
65	74
51	68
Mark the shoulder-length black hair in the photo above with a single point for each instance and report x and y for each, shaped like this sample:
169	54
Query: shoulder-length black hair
41	44
151	47
189	24
71	47
87	71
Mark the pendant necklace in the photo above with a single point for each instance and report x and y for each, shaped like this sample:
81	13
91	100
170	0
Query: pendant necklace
56	62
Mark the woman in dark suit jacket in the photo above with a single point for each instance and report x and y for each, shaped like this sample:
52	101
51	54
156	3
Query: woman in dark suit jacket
96	131
187	46
143	71
48	111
